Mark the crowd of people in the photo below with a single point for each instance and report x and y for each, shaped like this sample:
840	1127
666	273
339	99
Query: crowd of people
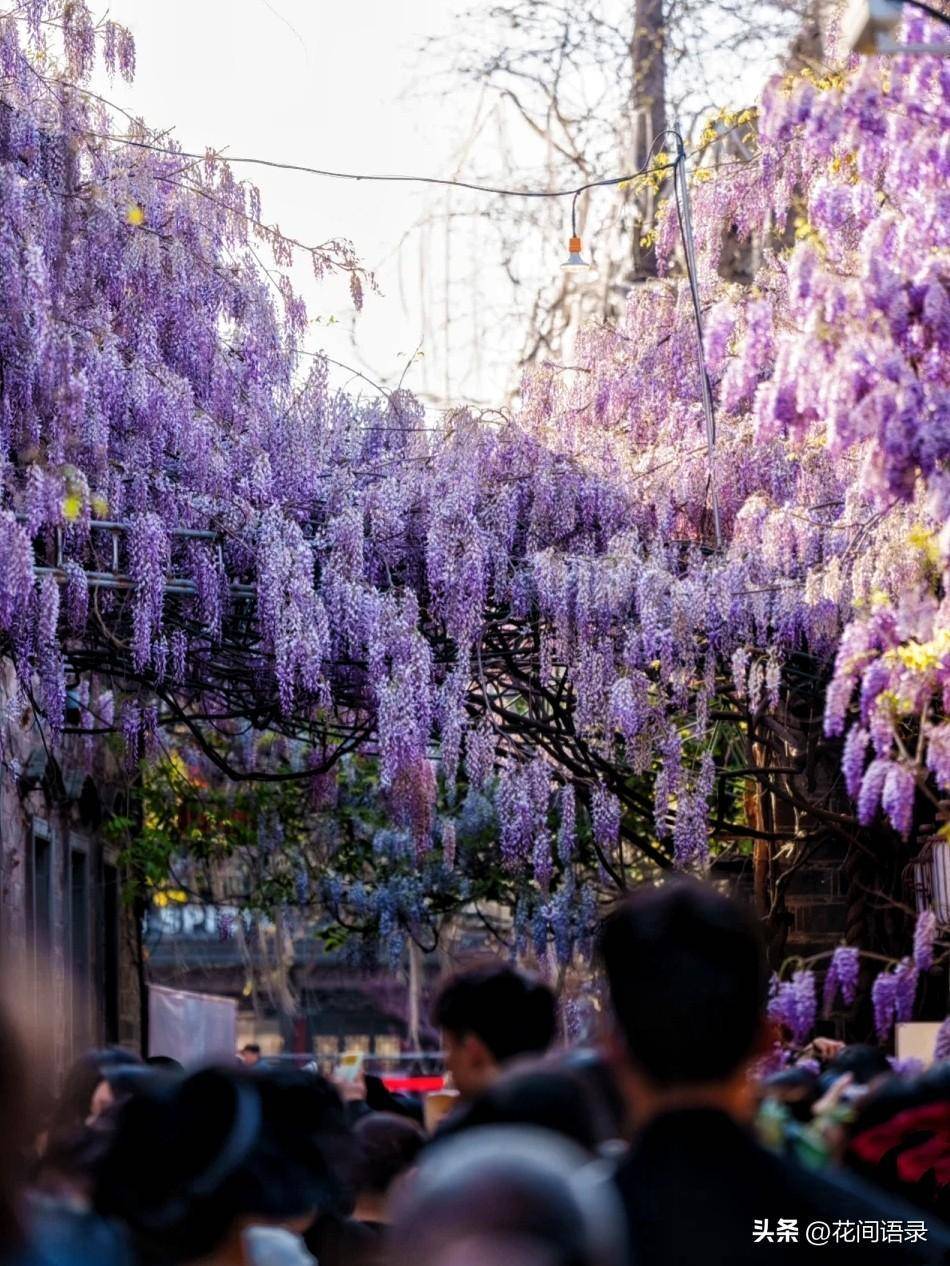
665	1144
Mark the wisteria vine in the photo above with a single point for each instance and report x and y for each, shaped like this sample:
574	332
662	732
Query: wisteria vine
195	520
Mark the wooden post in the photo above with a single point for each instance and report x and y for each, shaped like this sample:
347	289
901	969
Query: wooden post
415	995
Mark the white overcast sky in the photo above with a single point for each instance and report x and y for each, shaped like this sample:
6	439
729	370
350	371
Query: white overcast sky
332	85
306	81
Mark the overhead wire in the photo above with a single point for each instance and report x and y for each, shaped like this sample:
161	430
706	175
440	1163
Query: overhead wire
684	219
394	177
681	196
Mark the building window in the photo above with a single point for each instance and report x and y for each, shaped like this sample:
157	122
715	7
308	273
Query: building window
79	946
110	952
357	1043
39	896
387	1046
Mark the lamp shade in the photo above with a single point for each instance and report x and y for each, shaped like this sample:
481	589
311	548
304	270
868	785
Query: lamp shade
932	879
575	262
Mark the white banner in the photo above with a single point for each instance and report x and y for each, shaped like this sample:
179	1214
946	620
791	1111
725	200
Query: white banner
917	1039
194	1028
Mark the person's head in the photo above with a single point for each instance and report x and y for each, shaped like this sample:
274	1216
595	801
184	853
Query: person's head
67	1168
592	1068
509	1196
250	1054
195	1160
83	1079
865	1064
797	1089
386	1147
546	1097
166	1064
118	1084
73	1142
688	982
488	1016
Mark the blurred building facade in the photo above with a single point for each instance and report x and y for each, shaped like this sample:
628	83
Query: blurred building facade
294	993
68	941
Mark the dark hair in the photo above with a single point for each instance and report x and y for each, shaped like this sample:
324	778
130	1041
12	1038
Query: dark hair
13	1132
593	1070
126	1080
508	1195
73	1156
386	1146
74	1149
381	1099
688	979
797	1088
864	1063
550	1098
250	1048
791	1079
192	1155
511	1013
80	1081
166	1063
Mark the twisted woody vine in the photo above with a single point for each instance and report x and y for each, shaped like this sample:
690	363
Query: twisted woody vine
520	623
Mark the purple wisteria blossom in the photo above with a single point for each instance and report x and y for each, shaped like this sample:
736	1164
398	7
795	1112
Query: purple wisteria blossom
567	828
852	761
869	795
805	1004
449	843
884	998
925	933
793	1004
517	598
897	798
905	992
605	814
842	976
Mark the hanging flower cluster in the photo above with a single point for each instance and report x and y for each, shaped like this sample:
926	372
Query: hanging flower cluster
540	598
842	976
893	991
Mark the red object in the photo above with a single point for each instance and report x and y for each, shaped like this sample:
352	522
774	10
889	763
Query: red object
918	1137
413	1085
300	1045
